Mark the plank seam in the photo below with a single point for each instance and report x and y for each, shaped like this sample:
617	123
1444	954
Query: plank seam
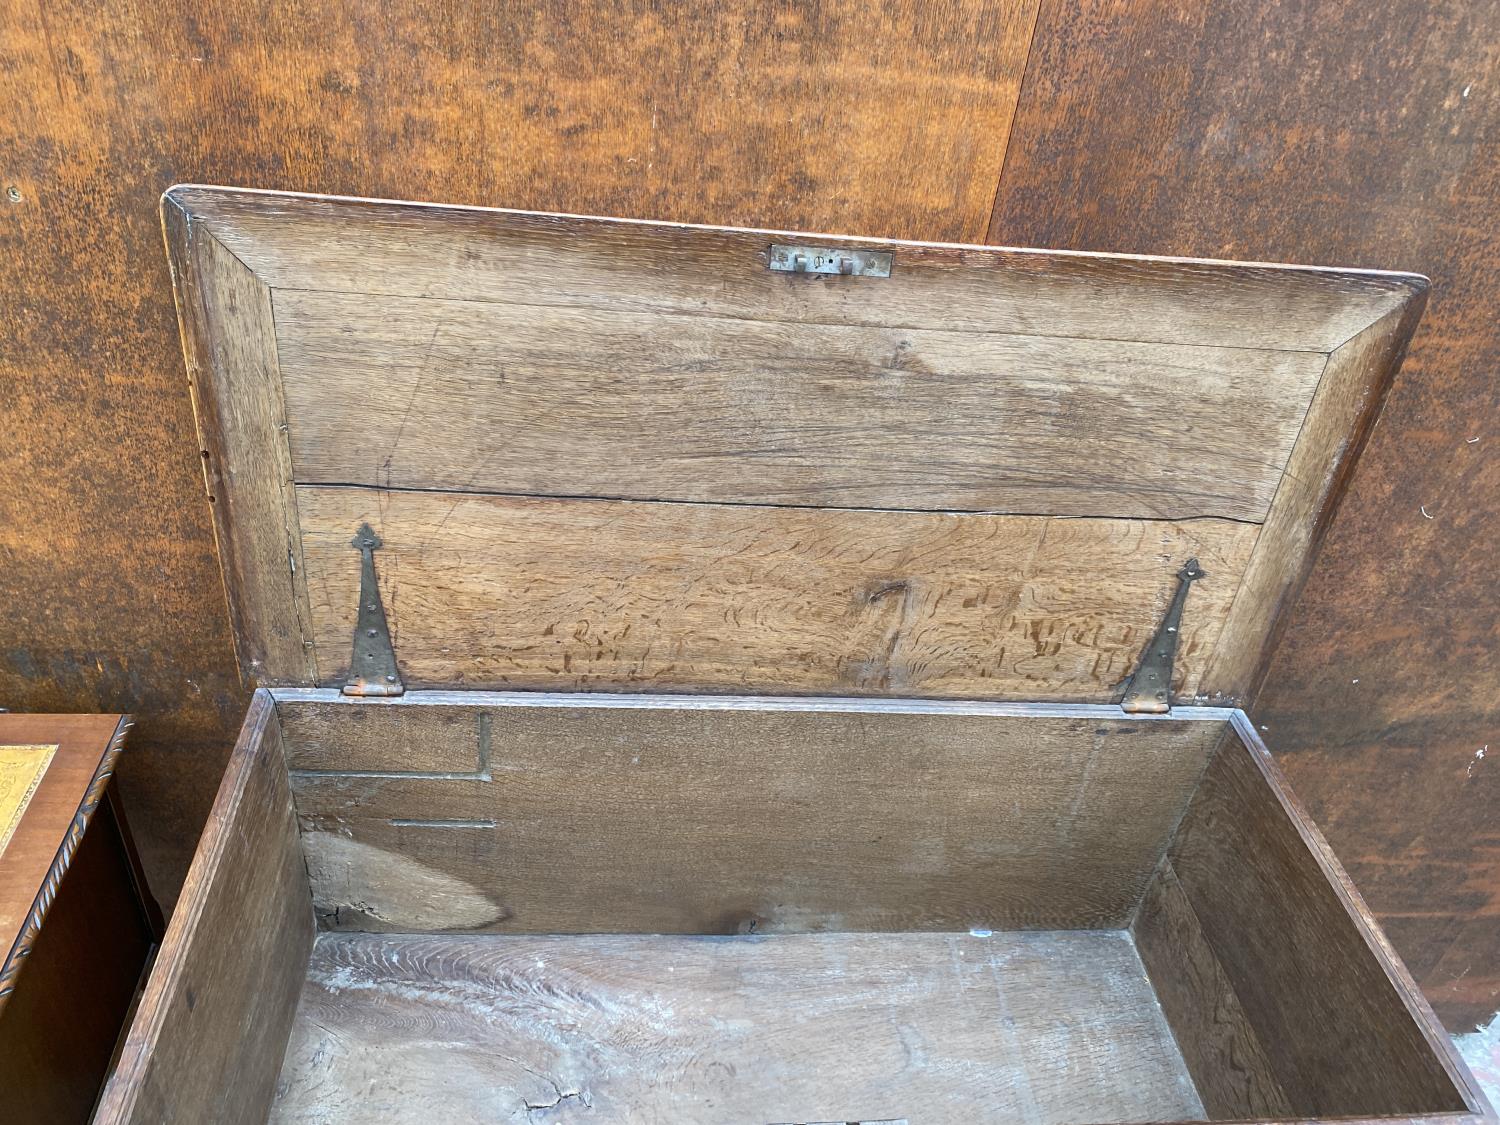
430	489
1022	88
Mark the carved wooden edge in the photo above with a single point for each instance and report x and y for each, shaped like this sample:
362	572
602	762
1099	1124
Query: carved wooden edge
229	346
1345	407
1365	925
46	895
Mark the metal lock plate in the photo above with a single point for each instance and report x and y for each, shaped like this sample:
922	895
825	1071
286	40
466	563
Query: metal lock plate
827	261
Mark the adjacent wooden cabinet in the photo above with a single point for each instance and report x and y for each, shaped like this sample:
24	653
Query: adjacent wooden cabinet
77	923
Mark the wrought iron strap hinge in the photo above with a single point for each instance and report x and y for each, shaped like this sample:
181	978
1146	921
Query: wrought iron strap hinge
1149	691
372	666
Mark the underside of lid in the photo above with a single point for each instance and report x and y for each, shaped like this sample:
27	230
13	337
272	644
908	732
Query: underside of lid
605	454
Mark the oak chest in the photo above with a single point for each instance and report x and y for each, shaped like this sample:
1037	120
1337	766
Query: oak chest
727	676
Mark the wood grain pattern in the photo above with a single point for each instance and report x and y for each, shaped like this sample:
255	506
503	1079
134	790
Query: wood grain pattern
1360	134
487	397
625	815
569	594
389	739
1033	1028
1338	132
469	254
212	1025
1230	1070
1345	1033
1338	422
643	429
230	346
836	115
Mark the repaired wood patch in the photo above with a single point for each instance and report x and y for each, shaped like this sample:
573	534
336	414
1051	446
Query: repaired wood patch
361	886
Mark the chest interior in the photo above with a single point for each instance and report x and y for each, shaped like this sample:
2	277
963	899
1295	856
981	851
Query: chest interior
692	666
633	908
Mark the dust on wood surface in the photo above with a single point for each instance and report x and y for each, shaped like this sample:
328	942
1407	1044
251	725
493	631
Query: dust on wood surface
1040	1029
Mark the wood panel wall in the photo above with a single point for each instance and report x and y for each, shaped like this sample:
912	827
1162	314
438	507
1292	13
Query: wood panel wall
1317	130
883	118
1334	132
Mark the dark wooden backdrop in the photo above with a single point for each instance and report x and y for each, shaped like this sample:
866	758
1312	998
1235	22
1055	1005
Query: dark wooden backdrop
1327	131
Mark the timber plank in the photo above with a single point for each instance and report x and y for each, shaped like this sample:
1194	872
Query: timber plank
230	347
711	817
1339	420
473	396
554	594
1041	1029
1229	1066
1343	1029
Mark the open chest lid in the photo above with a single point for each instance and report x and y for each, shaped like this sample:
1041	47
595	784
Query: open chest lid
618	455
